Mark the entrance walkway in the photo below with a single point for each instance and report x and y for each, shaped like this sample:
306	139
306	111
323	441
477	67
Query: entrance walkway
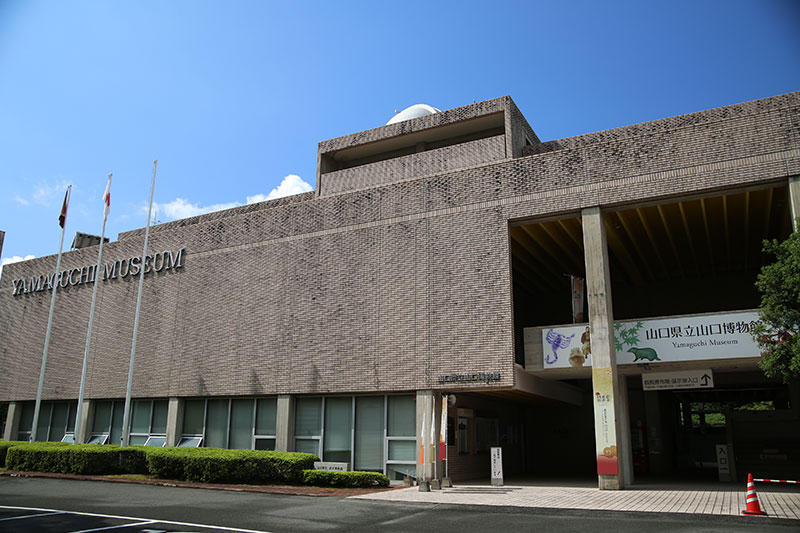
779	501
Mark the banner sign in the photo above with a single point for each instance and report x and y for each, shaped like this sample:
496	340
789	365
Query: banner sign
692	338
684	379
605	436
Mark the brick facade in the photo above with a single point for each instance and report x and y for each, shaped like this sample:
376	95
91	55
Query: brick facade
381	280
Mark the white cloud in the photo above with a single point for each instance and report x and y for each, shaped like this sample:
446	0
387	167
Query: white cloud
13	259
44	193
22	201
183	208
291	184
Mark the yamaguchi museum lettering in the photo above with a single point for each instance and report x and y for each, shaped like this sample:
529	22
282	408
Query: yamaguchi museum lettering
156	262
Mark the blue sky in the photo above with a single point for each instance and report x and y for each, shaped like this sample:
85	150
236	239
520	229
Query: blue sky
233	97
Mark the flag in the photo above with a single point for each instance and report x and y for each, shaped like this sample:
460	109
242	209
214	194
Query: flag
443	430
422	437
62	218
107	198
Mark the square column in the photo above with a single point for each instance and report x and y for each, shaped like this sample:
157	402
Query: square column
794	199
174	421
609	416
12	415
284	424
425	460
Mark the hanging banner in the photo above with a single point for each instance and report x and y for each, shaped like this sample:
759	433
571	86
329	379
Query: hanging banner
605	436
692	338
578	294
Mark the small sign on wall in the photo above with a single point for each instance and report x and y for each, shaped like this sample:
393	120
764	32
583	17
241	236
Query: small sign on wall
327	465
497	466
683	379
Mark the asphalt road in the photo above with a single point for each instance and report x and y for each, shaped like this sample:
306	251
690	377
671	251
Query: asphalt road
142	508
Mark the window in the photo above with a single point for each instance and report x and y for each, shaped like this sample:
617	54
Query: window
373	433
230	423
266	414
401	440
148	423
107	422
308	425
56	421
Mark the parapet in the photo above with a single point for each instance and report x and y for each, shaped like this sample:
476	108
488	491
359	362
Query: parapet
453	139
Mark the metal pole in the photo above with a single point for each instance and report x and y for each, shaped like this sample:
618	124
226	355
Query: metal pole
126	417
49	325
78	427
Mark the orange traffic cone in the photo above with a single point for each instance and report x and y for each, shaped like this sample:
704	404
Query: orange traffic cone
751	498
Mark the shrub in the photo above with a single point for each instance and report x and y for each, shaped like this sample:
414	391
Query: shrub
211	465
355	479
87	459
5	445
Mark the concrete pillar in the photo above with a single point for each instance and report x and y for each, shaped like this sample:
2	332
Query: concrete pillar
84	428
438	466
174	421
425	410
284	424
608	412
12	421
794	199
625	447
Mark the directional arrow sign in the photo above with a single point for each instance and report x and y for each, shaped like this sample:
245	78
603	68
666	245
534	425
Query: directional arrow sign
684	379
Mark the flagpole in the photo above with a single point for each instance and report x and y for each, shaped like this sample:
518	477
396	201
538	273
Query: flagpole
126	416
78	426
49	321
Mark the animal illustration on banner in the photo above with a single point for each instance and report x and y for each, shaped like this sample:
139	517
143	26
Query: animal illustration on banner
558	342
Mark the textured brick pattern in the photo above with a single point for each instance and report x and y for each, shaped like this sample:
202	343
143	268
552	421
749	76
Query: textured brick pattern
462	155
381	289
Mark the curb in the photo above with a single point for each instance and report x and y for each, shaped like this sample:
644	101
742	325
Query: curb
294	490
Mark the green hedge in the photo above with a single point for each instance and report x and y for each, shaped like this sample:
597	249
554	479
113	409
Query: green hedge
87	459
211	465
355	479
5	445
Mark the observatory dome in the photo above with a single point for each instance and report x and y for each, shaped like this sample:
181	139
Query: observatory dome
415	111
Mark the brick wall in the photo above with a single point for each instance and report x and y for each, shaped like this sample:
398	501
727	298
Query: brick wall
381	289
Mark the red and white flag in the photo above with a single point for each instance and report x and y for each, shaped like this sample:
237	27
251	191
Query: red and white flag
62	218
107	198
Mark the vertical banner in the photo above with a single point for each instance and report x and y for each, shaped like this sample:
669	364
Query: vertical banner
578	294
604	422
443	430
497	466
423	432
432	440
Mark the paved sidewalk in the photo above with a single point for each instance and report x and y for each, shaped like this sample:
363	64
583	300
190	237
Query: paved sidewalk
779	501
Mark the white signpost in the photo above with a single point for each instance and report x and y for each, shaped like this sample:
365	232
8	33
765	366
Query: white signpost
723	463
497	466
683	379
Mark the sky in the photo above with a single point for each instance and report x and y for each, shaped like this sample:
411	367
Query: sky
232	97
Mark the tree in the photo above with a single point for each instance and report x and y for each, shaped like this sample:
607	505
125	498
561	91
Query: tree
778	332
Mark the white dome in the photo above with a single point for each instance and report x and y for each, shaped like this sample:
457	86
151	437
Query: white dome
415	111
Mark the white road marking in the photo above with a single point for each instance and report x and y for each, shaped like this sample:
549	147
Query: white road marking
115	527
30	516
151	520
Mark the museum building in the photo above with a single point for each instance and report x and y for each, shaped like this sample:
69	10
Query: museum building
582	303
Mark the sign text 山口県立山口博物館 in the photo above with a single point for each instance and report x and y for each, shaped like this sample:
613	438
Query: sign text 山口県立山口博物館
156	262
679	338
